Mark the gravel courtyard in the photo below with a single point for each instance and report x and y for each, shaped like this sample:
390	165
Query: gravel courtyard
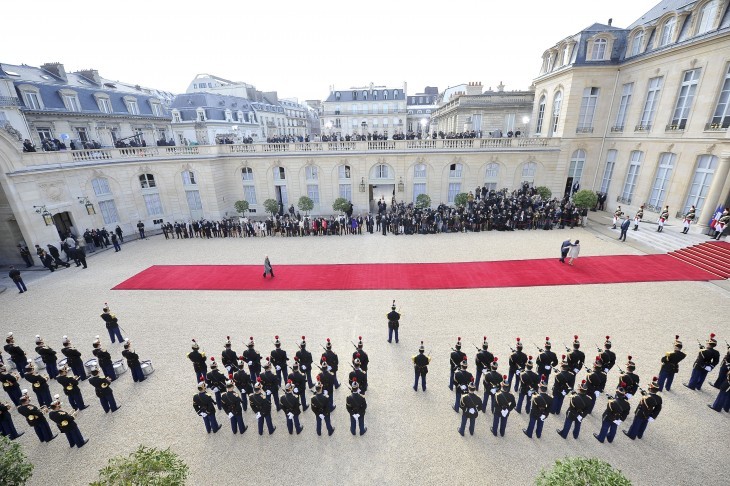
411	436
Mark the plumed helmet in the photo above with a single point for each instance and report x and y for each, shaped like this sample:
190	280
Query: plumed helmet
654	385
485	344
583	386
607	344
227	344
548	344
630	364
464	364
267	363
505	383
519	343
458	342
393	306
329	344
38	339
359	342
494	363
303	342
677	342
529	363
213	365
712	341
250	342
472	386
195	344
576	343
277	343
421	348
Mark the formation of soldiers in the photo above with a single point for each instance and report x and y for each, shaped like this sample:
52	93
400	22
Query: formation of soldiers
69	372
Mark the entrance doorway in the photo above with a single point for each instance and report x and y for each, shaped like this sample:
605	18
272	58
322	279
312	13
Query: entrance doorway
380	192
64	224
568	187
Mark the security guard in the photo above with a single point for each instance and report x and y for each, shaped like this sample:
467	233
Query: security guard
40	385
16	354
71	388
562	385
66	423
103	391
504	404
299	381
34	416
517	361
420	367
647	411
364	358
74	360
199	365
707	359
290	405
576	357
133	362
393	323
270	384
253	360
492	384
48	356
608	357
542	402
462	378
596	383
546	360
10	384
104	359
630	379
457	356
229	358
356	406
261	406
529	380
670	365
232	405
576	412
483	360
617	410
321	409
333	361
470	404
242	380
216	382
204	405
278	360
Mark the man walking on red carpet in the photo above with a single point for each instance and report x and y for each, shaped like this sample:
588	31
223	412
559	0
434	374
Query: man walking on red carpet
267	267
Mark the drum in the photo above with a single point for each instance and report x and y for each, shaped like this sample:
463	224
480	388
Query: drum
62	363
39	364
90	364
120	367
147	368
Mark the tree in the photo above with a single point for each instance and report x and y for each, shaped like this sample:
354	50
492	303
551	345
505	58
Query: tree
544	192
145	466
15	469
585	199
423	201
341	204
461	199
271	206
305	204
581	471
241	206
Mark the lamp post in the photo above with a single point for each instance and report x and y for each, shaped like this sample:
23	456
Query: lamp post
89	206
47	216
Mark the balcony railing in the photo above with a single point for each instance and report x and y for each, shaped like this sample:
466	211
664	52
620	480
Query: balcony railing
623	200
617	128
642	128
715	127
9	101
674	127
584	130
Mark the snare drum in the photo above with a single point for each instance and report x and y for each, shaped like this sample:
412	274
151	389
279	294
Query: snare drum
39	364
147	368
120	367
62	363
90	364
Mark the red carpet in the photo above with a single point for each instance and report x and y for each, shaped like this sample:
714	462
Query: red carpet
419	276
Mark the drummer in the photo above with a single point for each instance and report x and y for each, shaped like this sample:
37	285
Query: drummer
48	356
71	388
104	359
103	391
133	362
73	357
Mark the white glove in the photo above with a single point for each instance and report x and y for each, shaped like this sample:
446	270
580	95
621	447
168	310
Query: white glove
303	367
651	419
543	417
617	422
268	392
329	368
250	363
547	367
605	370
326	393
597	393
203	414
290	415
278	368
517	372
228	368
564	392
576	370
356	416
529	393
258	415
463	387
629	395
321	415
472	411
708	368
296	390
230	414
215	389
493	391
580	419
504	413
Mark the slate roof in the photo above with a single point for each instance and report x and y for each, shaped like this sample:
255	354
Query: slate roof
347	95
660	9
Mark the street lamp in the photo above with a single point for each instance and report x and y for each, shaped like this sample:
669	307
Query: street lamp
47	216
89	206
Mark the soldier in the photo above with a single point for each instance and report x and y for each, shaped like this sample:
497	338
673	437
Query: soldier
562	385
232	405
16	354
542	402
73	357
10	384
270	384
357	374
492	384
253	360
332	361
596	383
670	365
707	359
647	411
356	406
71	389
722	401
617	410
299	380
199	365
724	366
279	359
305	361
290	404
483	360
576	357
321	409
34	416
103	391
7	427
112	324
229	358
66	423
216	381
393	323
630	379
133	362
663	216
40	385
576	412
261	407
546	360
104	359
364	359
687	220
242	380
470	404
48	356
204	405
529	381
457	356
638	217
328	382
616	216
608	357
420	367
504	404
462	378
517	362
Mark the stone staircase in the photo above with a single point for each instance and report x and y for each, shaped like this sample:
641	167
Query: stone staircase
713	257
670	239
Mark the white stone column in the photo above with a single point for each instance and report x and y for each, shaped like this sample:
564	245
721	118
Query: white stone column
718	192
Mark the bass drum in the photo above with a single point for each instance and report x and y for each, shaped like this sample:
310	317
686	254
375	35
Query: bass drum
147	368
120	367
90	364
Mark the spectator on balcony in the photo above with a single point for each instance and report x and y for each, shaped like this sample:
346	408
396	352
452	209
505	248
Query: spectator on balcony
28	146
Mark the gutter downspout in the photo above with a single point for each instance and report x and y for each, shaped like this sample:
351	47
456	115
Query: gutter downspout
605	132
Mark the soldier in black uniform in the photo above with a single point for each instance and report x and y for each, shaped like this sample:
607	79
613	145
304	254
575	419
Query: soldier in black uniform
576	357
199	365
562	385
103	359
48	356
529	380
71	388
393	319
74	360
504	404
357	374
670	365
492	384
40	385
328	382
253	360
16	354
112	324
34	416
216	382
242	380
299	381
646	411
462	378
305	361
722	401
10	384
204	405
470	404
707	359
290	404
270	384
596	383
67	424
279	359
617	410
483	360
420	367
576	412
724	367
608	357
229	358
232	405
133	362
542	402
261	407
7	427
364	358
546	360
332	361
457	356
321	409
356	406
103	391
630	379
517	362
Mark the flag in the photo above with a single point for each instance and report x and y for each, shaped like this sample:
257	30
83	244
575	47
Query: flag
715	216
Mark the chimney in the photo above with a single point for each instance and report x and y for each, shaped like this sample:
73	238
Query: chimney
610	21
90	74
55	68
474	88
500	87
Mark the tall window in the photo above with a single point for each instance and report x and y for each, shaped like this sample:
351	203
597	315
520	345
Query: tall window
652	100
31	100
701	181
101	187
132	108
721	118
194	202
540	114
153	203
685	98
71	102
344	174
661	182
588	109
707	17
454	189
599	50
528	172
188	178
576	165
608	171
419	171
106	200
491	176
147	181
381	172
455	171
668	32
105	105
632	176
249	190
279	174
637	43
623	107
556	111
418	189
312	176
109	211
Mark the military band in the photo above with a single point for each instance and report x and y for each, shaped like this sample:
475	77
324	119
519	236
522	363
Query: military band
200	367
670	365
7	427
39	383
103	359
16	354
70	384
133	362
10	383
707	359
112	325
35	418
66	423
103	389
48	356
74	360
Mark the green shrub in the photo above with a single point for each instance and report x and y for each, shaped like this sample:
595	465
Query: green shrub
585	199
145	466
241	206
305	204
461	199
15	469
581	471
271	206
544	192
341	204
423	201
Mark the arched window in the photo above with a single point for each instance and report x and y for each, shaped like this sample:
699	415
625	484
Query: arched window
540	114
668	31
105	200
381	171
151	195
599	50
312	176
455	171
249	190
707	17
557	102
491	176
364	95
637	43
528	172
147	181
279	174
188	178
344	175
419	171
576	165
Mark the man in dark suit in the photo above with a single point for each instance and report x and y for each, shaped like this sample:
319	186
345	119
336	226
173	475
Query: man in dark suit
624	228
564	249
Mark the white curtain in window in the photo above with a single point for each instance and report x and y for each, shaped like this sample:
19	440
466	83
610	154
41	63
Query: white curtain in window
109	211
194	202
153	203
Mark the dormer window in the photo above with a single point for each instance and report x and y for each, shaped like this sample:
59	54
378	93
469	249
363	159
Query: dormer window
201	114
176	116
337	95
156	108
668	32
365	95
70	100
132	106
385	94
31	97
637	43
598	53
395	93
707	17
105	105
